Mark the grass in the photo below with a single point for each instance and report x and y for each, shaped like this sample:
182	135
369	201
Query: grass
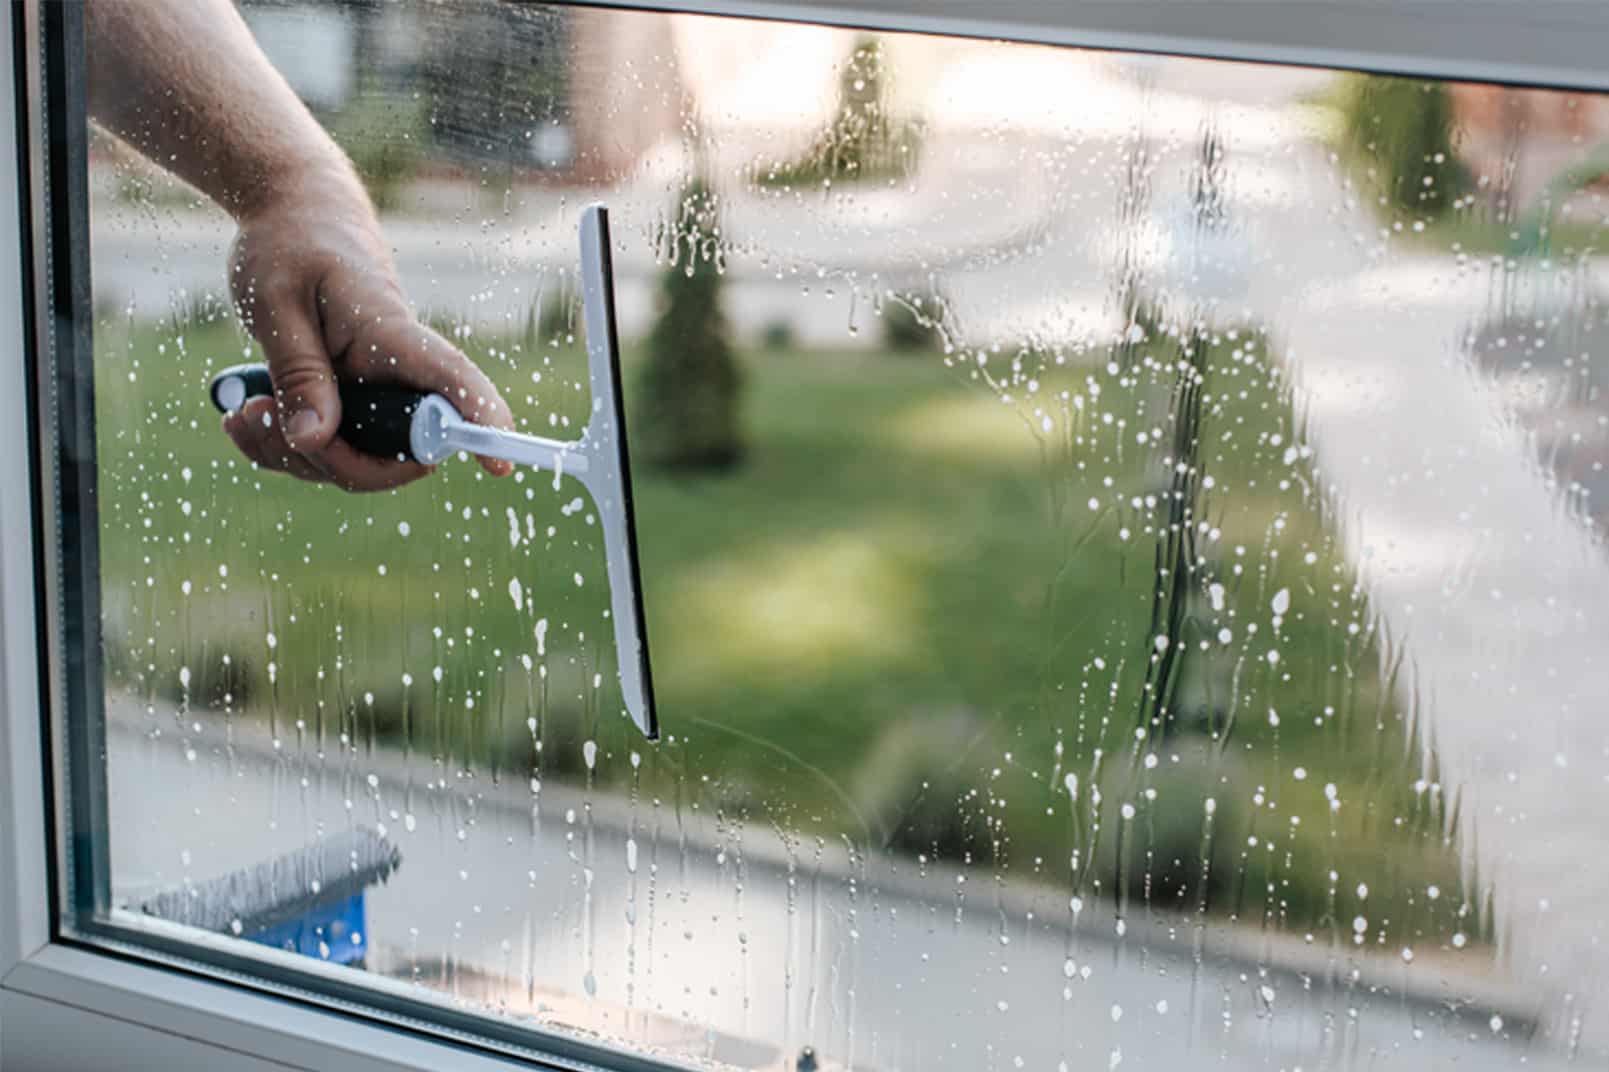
901	619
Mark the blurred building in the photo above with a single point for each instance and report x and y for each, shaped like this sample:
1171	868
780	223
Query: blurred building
1557	131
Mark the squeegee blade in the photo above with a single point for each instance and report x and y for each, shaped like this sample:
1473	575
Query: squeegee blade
610	478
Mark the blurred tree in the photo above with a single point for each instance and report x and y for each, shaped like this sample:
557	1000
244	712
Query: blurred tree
686	413
864	142
912	326
1403	129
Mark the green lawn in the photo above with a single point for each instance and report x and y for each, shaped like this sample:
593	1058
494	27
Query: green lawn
900	619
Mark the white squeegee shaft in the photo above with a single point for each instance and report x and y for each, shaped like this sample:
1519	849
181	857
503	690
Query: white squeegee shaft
550	454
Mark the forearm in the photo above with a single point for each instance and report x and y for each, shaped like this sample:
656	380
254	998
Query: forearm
185	83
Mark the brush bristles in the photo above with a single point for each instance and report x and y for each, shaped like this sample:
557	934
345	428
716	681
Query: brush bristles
285	888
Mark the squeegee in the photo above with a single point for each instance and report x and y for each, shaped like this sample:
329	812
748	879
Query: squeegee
398	422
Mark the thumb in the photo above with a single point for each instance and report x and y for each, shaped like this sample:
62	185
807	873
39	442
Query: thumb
299	365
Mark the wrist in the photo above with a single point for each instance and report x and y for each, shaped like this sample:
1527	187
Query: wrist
329	185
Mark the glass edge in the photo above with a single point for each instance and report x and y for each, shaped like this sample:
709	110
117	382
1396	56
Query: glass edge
389	1003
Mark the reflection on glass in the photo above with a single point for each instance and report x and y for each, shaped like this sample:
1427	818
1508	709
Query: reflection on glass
1122	546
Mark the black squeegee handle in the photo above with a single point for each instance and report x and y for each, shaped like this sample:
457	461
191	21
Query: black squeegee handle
376	418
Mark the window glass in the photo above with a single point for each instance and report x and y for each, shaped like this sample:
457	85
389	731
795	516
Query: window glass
1122	550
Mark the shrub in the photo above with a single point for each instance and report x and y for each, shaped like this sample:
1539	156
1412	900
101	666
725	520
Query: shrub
686	411
907	329
1163	856
778	335
914	788
1403	129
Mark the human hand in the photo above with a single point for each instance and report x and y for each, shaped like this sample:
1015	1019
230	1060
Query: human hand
315	284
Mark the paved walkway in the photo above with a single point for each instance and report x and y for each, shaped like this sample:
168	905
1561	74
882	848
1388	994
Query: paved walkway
713	940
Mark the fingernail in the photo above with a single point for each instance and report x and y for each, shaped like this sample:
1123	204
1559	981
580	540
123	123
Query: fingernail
302	424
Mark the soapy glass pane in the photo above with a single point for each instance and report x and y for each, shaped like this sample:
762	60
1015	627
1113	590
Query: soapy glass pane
1122	552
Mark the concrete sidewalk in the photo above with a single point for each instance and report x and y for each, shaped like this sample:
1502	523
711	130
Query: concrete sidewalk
615	915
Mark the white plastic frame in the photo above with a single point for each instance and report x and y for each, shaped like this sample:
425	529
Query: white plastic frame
64	1007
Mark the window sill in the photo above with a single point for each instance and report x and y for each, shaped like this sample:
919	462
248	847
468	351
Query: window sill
103	1005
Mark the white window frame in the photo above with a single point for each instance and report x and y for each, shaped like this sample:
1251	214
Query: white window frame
64	1006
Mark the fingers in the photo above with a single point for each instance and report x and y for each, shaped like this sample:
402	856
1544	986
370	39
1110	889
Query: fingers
258	433
393	345
353	323
286	323
297	345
